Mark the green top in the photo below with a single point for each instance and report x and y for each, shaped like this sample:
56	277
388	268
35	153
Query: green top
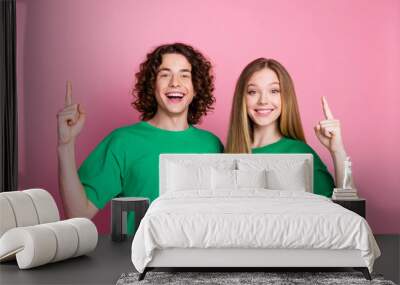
125	163
323	181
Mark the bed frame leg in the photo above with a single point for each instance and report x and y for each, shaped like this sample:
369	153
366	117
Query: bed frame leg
143	274
364	271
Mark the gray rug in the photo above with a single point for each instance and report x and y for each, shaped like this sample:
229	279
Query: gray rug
228	278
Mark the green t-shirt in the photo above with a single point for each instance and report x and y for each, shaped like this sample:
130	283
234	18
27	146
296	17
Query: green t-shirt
323	181
125	163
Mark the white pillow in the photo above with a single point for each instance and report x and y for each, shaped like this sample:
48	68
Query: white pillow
181	177
281	174
223	179
251	179
293	179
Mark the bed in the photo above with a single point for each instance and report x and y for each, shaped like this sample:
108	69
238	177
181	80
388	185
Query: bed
245	211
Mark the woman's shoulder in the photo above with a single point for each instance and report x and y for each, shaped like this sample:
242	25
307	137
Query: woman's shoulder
297	145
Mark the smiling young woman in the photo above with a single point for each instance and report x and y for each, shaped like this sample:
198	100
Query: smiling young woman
265	118
285	119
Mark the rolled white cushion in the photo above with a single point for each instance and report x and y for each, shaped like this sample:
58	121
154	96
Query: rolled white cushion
23	208
87	235
46	207
33	246
26	208
67	239
7	218
40	244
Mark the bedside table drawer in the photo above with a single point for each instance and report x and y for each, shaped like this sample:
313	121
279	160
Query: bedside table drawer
357	206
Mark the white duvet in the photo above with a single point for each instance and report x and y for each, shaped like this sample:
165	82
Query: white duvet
252	218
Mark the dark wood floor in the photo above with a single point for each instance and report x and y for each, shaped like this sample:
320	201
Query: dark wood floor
389	262
110	260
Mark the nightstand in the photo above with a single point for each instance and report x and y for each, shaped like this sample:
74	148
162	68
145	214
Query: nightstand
119	209
356	205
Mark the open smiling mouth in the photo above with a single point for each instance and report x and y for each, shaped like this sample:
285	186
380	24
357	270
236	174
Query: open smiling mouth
175	97
263	112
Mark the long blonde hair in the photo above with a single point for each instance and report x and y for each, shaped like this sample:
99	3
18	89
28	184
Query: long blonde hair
240	134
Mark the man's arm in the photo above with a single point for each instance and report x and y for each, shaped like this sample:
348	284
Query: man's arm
73	195
70	122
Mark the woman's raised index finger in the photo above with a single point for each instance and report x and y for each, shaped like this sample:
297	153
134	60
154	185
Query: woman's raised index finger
327	111
68	95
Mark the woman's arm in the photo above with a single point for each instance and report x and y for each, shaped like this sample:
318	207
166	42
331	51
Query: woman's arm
338	162
329	133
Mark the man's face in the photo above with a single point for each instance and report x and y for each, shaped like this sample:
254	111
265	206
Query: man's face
174	87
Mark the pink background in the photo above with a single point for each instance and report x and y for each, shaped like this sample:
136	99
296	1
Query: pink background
345	50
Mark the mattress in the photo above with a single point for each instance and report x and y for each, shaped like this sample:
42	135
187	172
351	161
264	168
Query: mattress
251	219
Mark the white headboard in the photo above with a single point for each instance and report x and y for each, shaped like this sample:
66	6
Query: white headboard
277	162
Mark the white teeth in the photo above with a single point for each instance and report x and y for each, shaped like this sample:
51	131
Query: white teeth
264	111
174	95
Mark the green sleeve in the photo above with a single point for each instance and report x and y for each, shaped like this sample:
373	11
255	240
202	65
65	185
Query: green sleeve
100	173
323	181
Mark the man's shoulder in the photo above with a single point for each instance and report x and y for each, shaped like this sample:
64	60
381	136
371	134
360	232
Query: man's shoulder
126	129
124	133
204	133
138	131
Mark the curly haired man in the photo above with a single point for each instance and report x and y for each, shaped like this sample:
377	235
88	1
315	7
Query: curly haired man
173	91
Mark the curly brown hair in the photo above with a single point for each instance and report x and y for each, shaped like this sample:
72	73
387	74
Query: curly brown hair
202	77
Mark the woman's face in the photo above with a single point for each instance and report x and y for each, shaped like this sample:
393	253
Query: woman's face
263	97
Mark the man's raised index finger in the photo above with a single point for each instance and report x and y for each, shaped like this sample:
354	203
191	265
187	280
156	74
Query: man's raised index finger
68	95
327	111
